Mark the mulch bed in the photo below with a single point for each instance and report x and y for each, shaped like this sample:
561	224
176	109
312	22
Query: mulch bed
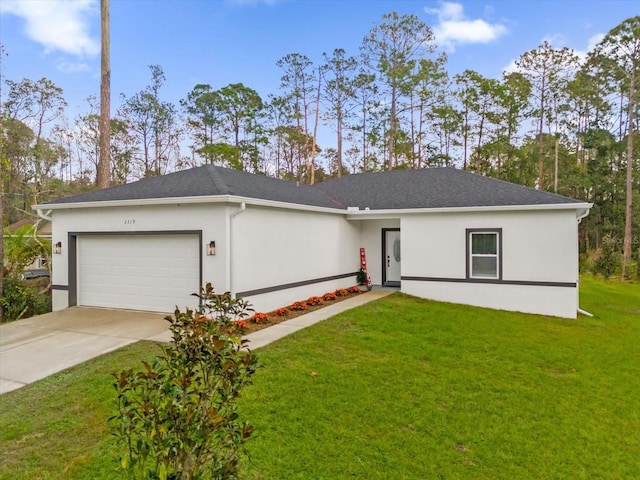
289	313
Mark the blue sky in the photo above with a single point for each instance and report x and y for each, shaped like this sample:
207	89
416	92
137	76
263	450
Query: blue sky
228	41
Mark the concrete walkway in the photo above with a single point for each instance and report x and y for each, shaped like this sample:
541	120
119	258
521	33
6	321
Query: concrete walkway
271	334
37	347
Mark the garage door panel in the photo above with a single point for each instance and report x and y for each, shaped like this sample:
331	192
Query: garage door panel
140	272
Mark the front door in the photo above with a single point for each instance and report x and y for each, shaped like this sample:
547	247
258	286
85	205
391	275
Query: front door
391	257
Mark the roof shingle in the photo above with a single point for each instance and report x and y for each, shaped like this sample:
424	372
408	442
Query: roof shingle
398	189
433	188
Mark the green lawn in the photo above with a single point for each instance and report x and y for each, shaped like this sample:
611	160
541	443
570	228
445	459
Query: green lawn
403	388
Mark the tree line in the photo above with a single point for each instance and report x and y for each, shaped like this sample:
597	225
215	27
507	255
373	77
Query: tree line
554	122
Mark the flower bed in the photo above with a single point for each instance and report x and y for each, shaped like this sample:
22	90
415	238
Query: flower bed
261	320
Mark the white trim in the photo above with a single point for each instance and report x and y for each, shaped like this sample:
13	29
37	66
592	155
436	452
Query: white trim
484	255
390	213
45	215
582	213
187	200
351	214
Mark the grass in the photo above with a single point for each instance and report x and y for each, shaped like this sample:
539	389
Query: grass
398	388
56	428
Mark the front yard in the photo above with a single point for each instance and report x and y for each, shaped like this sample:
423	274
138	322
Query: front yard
398	388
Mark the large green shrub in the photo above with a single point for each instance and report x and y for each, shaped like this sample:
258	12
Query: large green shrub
609	259
22	248
21	300
177	417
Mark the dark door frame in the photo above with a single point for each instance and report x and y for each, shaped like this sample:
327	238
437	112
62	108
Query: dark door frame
384	259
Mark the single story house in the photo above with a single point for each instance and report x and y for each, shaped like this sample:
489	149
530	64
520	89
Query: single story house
437	233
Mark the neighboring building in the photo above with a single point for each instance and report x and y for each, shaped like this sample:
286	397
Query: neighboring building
437	233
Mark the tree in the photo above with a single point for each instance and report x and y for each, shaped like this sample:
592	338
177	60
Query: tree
279	115
446	123
38	103
392	49
237	110
512	99
4	167
103	174
426	89
366	99
297	81
121	146
202	120
619	51
339	93
155	125
548	70
226	125
22	248
17	142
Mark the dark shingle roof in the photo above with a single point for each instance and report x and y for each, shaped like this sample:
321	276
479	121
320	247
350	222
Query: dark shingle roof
210	180
398	189
433	188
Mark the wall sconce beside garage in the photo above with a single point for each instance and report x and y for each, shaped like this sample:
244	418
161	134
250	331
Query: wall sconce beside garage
57	248
211	248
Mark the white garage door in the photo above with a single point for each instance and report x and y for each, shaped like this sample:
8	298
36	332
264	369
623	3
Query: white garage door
139	272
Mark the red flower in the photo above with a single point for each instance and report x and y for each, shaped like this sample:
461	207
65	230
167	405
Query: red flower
298	306
260	317
314	301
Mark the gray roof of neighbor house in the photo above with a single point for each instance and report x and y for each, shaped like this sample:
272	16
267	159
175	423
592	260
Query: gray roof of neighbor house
44	227
398	189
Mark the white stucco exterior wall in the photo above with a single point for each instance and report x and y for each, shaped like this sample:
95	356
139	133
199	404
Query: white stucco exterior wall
264	249
210	219
276	247
538	247
371	240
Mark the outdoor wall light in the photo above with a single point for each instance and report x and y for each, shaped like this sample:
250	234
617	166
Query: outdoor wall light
211	248
57	248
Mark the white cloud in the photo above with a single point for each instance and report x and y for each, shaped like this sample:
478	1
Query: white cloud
60	25
511	67
454	28
594	40
591	44
556	40
71	67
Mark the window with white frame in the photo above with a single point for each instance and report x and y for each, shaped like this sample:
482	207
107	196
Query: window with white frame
484	253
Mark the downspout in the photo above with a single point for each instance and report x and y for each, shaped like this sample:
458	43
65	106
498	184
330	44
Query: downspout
232	289
583	312
44	216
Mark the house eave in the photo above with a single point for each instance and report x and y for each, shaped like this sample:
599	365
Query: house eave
211	199
394	213
350	213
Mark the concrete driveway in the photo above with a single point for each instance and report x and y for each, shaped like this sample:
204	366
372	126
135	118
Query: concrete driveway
37	347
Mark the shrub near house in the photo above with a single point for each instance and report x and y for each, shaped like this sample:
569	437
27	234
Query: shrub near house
178	416
23	298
